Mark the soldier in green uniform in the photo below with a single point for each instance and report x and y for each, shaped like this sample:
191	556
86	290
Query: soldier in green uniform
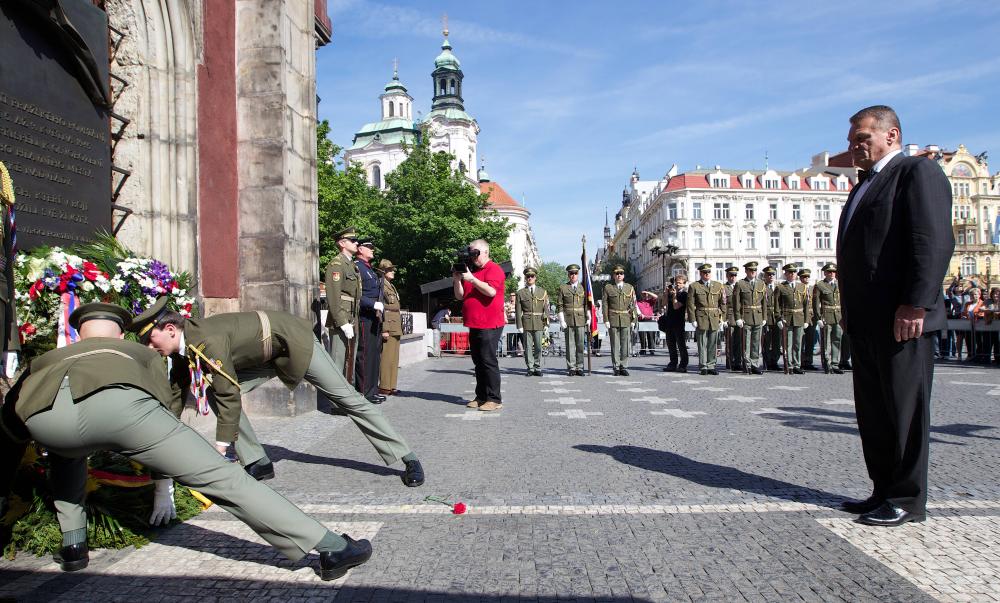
705	307
826	314
791	298
343	295
733	335
531	315
103	393
620	316
392	331
772	334
809	331
240	351
749	308
573	319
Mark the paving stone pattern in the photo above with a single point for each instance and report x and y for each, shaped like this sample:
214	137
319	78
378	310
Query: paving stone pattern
652	487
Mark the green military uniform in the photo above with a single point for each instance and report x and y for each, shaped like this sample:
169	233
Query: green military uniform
750	306
531	315
792	302
620	313
571	307
826	307
733	336
392	326
10	341
240	351
772	334
705	307
105	393
343	296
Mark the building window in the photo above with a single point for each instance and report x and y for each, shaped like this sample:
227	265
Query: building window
698	244
796	211
721	211
793	184
376	176
821	184
775	241
749	214
773	211
970	237
751	240
696	211
748	182
968	266
964	212
390	109
796	240
841	185
723	239
823	240
720	270
720	181
822	212
771	183
961	238
672	211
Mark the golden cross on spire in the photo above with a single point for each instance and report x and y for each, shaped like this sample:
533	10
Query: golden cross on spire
444	22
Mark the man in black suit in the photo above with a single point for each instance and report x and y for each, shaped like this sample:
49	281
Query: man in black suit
895	236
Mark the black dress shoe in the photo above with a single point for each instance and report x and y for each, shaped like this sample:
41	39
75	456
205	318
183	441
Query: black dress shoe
335	565
756	371
73	557
797	371
682	369
713	372
861	506
669	369
260	470
889	515
703	371
571	373
376	399
580	373
837	371
623	372
414	474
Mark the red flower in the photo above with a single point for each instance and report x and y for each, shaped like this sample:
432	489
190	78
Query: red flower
459	508
35	288
26	330
91	271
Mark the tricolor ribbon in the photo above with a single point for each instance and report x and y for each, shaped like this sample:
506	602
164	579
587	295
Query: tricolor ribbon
199	386
66	334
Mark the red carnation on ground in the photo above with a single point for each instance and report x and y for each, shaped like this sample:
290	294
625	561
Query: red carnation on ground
457	508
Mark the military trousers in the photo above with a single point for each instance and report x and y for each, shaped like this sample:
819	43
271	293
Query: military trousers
575	338
326	377
734	348
533	349
751	345
708	347
247	446
621	340
793	346
133	423
771	344
389	364
832	335
339	345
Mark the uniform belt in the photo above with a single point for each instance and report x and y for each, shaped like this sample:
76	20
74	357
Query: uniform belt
753	307
709	309
346	297
532	313
794	310
621	311
390	310
831	307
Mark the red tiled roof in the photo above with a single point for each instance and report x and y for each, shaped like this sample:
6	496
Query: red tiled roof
498	196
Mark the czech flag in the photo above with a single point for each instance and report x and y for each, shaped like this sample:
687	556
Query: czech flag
588	289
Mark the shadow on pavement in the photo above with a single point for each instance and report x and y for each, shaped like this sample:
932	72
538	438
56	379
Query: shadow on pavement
712	475
279	453
434	397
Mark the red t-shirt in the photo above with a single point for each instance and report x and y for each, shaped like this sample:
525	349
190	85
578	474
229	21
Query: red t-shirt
478	310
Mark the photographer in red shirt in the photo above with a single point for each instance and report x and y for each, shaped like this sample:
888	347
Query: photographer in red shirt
480	287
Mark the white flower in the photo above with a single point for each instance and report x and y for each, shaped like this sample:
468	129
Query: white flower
118	284
87	286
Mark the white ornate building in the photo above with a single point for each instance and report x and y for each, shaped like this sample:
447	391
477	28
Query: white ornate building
727	217
523	249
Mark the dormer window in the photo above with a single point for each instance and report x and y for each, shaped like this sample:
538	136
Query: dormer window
771	183
747	181
720	180
819	183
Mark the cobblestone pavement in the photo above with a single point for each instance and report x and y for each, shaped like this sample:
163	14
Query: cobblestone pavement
652	487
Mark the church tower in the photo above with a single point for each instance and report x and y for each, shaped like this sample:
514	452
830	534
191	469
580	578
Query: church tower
396	101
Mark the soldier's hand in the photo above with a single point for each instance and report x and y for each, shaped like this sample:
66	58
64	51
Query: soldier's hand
723	325
163	502
739	322
694	325
10	364
607	325
520	329
348	331
385	337
820	324
379	306
781	324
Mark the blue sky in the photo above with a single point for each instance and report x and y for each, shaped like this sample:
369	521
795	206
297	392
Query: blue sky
571	96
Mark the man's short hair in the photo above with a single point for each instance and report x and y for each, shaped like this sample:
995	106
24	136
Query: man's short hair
885	117
170	317
481	245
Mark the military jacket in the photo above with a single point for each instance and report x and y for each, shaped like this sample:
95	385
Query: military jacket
392	319
229	343
826	302
371	289
728	302
619	307
531	311
749	303
771	313
793	304
705	304
91	364
572	304
343	291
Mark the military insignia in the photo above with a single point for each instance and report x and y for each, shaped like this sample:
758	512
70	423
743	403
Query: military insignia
335	276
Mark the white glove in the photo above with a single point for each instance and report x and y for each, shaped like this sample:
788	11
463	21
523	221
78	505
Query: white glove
163	503
379	306
739	322
562	320
520	329
819	324
694	325
607	325
10	364
348	331
723	325
781	324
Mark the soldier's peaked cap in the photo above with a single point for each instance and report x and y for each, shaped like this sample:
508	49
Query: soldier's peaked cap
529	271
830	267
347	233
768	270
367	242
805	272
732	270
790	268
148	320
100	311
385	265
619	269
573	268
705	268
750	265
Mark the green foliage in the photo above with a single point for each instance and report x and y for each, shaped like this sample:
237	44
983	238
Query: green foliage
511	284
608	266
550	276
427	213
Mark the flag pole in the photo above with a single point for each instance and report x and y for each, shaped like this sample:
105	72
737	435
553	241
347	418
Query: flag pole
587	303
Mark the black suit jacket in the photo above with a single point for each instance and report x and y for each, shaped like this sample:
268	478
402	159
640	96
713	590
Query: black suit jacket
896	249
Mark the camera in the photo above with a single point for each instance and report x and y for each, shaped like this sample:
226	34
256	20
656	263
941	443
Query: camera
465	259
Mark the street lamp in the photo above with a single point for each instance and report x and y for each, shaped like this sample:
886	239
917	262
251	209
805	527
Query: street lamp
657	247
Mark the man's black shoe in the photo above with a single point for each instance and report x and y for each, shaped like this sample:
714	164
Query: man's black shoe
529	373
414	474
827	371
797	371
73	557
756	371
889	515
376	399
682	369
669	368
335	565
623	372
580	373
846	366
703	371
261	470
538	372
571	373
837	371
713	372
861	506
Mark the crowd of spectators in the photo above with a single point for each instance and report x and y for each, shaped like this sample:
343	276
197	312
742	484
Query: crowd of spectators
969	301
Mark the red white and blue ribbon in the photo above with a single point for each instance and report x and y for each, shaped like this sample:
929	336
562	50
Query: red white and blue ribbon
199	387
66	334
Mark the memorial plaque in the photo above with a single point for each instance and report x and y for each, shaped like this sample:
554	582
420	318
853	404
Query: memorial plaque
54	133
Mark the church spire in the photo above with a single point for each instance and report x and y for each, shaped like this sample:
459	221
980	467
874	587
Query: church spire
447	76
